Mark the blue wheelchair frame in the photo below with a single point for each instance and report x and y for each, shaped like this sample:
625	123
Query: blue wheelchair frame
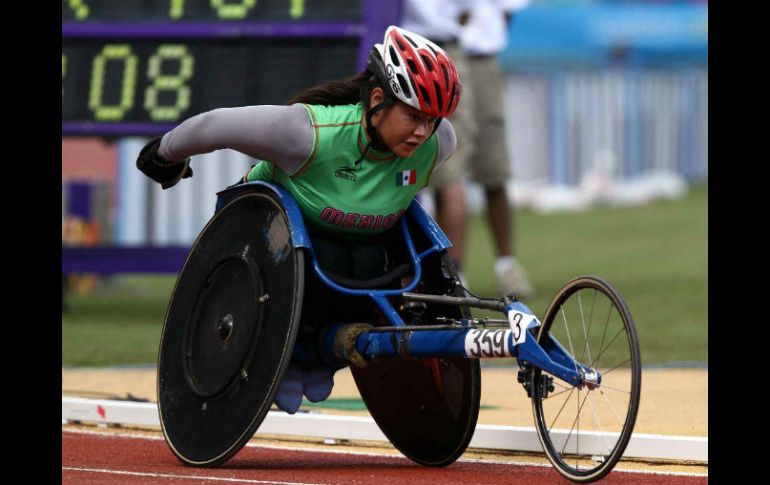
549	355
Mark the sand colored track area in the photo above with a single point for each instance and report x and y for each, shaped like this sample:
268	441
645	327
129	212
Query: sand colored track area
674	401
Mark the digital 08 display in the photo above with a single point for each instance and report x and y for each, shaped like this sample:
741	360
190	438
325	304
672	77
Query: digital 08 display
167	81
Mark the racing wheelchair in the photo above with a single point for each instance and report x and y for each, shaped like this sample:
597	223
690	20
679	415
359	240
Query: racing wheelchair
252	297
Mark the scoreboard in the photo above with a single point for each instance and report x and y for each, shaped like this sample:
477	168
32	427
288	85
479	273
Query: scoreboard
139	67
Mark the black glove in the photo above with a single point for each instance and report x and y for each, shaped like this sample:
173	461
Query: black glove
166	173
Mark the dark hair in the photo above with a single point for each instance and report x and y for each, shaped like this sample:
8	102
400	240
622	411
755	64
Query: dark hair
344	91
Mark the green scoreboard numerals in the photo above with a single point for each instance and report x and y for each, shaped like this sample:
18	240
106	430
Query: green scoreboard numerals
80	8
233	10
113	52
63	72
297	9
176	9
171	54
176	56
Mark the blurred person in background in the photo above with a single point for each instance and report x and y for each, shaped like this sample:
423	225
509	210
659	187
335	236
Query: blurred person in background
473	32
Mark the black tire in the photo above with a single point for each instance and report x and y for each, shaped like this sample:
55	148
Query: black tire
611	415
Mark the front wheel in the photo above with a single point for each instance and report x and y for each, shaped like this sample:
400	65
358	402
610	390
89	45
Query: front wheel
584	430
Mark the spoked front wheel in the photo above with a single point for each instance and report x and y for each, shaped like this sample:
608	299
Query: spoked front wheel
584	429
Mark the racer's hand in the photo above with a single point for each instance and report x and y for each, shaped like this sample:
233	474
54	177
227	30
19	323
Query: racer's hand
163	171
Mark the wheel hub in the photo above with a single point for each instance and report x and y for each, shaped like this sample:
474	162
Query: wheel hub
225	327
591	379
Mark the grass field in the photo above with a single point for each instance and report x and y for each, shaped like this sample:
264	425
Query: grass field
656	255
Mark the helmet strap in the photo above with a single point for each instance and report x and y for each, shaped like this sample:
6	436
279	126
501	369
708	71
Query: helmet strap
371	130
435	127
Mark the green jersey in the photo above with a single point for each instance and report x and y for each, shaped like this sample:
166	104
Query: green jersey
338	195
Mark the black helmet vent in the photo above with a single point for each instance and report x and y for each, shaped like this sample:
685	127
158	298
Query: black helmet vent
412	67
410	40
394	56
438	95
404	85
425	96
453	95
427	63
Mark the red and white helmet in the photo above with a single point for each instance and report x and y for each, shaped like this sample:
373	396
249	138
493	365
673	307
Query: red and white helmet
416	71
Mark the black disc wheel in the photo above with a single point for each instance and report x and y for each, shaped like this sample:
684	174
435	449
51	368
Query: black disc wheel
584	429
230	329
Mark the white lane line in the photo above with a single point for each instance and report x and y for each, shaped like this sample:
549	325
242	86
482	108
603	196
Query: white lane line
185	477
650	472
378	455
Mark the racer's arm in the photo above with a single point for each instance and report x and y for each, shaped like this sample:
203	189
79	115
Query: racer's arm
281	134
447	141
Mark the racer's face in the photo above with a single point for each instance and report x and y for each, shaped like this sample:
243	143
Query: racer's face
402	128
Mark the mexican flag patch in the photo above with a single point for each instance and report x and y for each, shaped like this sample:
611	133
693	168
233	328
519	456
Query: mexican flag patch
407	177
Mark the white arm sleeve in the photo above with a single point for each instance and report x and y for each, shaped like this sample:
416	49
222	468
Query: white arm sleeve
282	135
447	141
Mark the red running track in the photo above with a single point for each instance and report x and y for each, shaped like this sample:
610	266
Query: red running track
120	459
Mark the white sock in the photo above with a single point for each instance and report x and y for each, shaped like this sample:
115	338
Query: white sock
505	263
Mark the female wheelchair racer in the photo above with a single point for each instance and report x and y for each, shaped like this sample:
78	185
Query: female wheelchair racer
341	165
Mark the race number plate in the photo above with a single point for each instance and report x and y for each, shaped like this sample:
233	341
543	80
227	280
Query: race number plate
501	342
488	343
521	319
